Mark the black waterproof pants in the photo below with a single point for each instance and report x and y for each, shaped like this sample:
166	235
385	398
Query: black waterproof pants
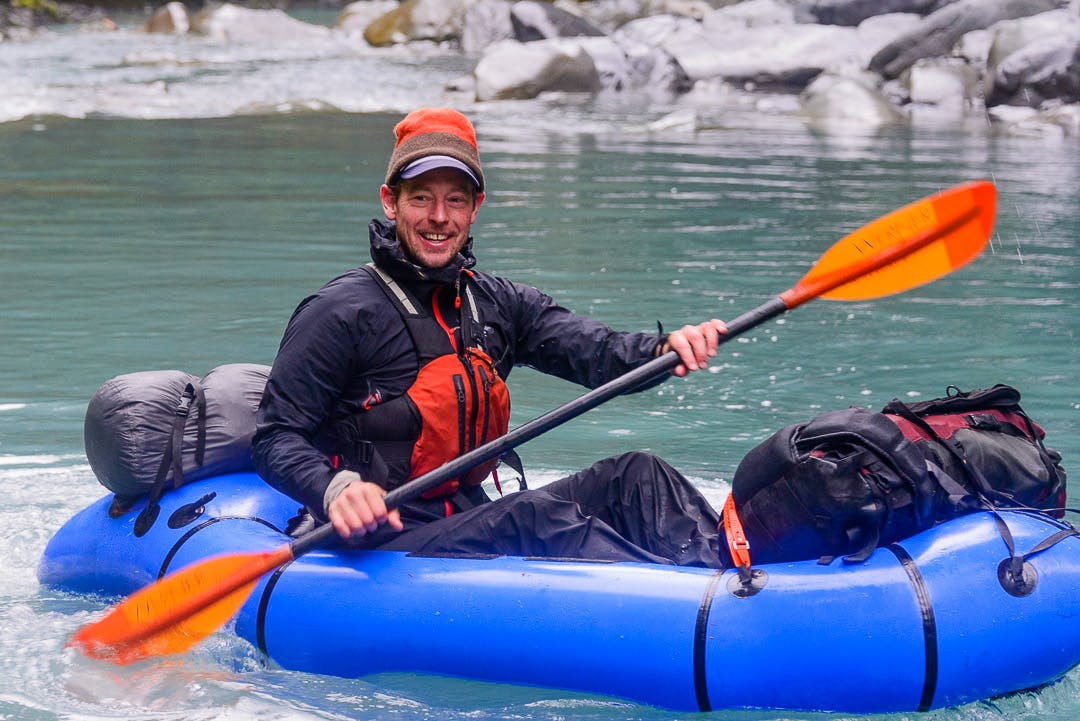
633	507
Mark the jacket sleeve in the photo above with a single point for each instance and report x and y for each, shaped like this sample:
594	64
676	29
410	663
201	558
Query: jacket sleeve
554	340
306	382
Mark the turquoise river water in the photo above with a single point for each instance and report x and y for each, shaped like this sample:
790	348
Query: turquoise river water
134	243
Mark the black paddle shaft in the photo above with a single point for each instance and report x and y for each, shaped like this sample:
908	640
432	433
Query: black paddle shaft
542	424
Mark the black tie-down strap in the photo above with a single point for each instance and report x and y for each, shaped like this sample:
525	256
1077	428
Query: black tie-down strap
173	456
1015	574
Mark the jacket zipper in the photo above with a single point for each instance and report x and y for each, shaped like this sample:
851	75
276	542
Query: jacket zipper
459	386
475	393
486	383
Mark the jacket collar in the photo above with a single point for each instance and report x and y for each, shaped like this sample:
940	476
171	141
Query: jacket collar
388	254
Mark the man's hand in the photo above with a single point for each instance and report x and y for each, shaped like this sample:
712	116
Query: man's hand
695	344
358	508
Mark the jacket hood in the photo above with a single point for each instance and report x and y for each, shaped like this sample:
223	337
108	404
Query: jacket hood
388	254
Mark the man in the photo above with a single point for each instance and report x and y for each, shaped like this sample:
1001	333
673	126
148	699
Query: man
394	368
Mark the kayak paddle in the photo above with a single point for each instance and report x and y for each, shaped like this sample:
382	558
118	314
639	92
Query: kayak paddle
904	249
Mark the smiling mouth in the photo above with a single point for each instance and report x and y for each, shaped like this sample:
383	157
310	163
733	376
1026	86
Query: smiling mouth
435	237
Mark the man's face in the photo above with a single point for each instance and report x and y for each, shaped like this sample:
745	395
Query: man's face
433	212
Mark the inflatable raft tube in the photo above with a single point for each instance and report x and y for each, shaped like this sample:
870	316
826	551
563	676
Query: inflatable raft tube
922	624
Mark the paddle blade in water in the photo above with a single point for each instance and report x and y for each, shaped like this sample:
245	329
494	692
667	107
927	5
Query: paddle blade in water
906	248
174	613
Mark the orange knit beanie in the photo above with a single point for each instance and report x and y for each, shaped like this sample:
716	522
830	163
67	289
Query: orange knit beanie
431	138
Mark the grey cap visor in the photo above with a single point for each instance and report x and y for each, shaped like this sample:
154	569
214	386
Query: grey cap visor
431	162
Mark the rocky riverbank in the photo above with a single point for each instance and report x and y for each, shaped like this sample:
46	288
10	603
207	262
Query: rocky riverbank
853	64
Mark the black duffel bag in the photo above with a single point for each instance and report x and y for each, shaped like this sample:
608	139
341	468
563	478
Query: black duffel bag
851	480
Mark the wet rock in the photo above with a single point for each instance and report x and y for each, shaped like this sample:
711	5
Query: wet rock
232	23
485	22
355	17
514	70
1048	68
764	48
974	47
772	55
940	31
536	21
1053	122
852	100
659	30
853	12
941	91
170	19
1002	77
613	14
940	81
434	20
680	121
624	64
933	60
695	9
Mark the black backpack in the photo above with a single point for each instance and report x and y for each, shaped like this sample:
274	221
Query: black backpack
851	480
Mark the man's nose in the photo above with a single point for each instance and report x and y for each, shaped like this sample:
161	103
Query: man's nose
438	211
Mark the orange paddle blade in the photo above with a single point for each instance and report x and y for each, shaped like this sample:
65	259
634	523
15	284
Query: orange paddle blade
906	248
174	613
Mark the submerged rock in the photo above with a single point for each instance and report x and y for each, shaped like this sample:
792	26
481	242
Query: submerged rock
1053	122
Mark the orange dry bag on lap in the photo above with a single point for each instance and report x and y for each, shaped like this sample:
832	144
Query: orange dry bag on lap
457	403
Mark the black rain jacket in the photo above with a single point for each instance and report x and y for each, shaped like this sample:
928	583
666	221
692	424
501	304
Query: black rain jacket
347	343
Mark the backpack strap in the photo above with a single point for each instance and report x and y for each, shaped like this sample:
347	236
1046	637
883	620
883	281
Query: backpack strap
982	487
513	461
429	338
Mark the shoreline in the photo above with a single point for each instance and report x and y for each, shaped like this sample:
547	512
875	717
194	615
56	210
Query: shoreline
697	66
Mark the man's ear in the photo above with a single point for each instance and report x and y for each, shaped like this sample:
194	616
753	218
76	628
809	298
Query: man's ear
476	208
389	202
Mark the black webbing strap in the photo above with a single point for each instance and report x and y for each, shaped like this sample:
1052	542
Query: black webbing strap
1016	560
1016	576
512	460
172	459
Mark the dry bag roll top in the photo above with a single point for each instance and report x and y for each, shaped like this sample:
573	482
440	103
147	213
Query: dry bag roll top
149	431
